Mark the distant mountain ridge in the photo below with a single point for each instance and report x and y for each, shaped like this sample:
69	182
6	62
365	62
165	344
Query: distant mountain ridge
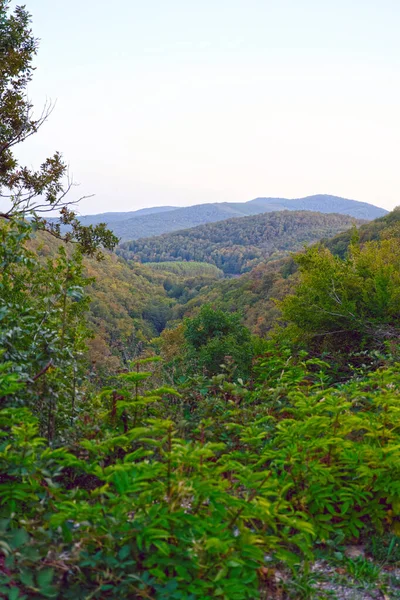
149	222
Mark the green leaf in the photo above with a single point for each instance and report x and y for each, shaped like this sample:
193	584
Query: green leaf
27	578
19	538
124	552
45	578
13	594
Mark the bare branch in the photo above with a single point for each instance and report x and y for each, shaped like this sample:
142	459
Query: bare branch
32	126
43	371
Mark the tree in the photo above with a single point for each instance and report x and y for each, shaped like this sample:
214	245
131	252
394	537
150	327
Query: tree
42	330
30	192
215	337
42	326
346	304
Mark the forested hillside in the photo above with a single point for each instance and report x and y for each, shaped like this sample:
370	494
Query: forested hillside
199	460
381	228
238	245
130	303
254	294
150	222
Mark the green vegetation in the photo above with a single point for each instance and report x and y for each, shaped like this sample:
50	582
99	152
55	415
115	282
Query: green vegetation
253	295
182	493
130	303
387	226
187	269
196	461
214	340
182	488
351	303
237	245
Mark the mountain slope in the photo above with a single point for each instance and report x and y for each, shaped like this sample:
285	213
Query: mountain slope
155	221
118	217
387	226
236	245
326	204
254	294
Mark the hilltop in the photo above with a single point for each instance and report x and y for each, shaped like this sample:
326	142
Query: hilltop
239	244
149	222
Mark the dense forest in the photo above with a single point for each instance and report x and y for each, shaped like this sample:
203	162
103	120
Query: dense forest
237	245
254	295
146	454
130	303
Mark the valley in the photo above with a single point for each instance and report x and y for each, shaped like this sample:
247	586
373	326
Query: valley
282	365
199	402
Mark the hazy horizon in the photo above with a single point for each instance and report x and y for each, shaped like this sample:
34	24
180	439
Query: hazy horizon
81	213
182	103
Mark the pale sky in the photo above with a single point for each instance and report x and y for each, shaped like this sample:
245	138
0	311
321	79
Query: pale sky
182	102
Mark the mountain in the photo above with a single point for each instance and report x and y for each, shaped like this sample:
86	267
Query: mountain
254	294
148	222
323	203
237	245
116	217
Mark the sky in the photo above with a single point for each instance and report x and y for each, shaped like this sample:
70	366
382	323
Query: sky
177	102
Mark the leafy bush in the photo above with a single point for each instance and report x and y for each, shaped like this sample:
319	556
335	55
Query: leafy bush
169	519
214	338
347	304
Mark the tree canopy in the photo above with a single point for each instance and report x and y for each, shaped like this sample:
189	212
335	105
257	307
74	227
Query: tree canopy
28	192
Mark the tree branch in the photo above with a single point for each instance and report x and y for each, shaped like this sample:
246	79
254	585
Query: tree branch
43	371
